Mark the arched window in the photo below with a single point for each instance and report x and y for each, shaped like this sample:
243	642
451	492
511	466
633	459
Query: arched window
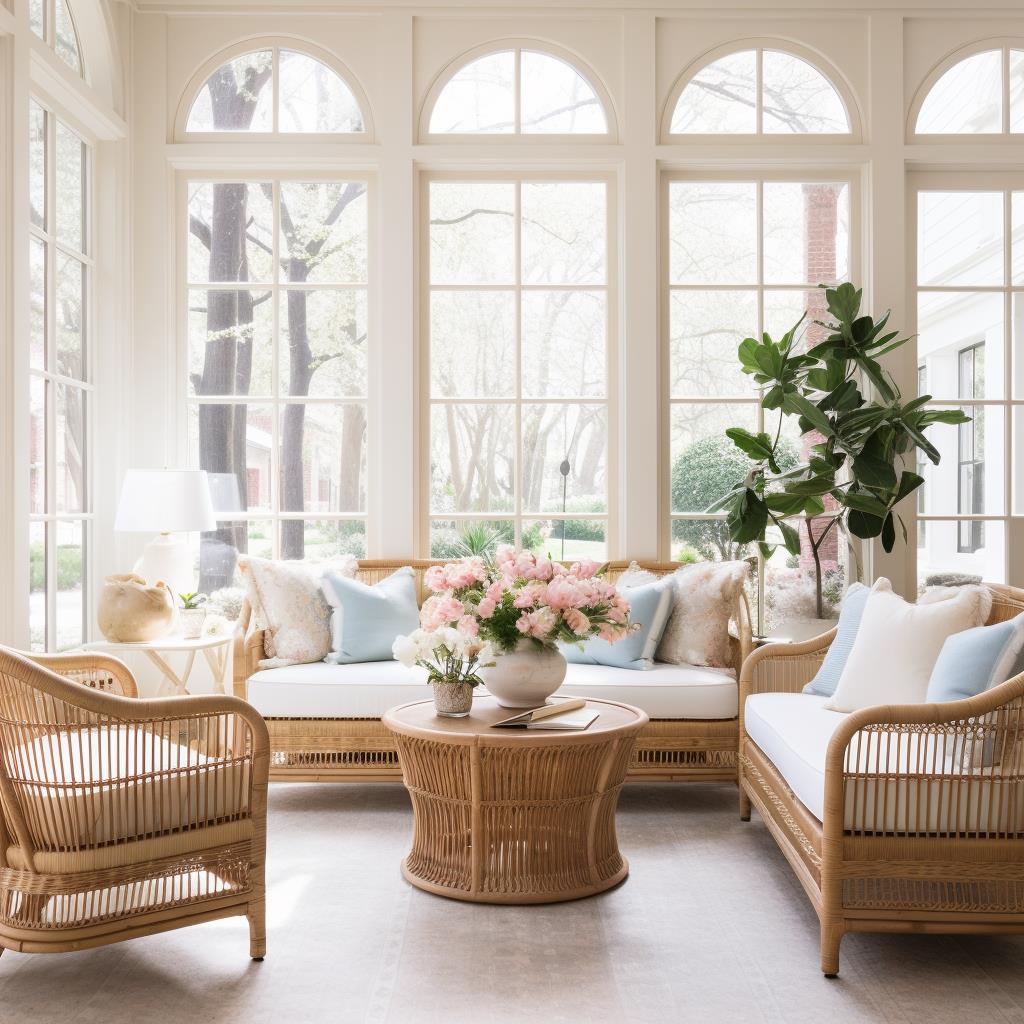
517	91
51	20
275	89
759	91
981	94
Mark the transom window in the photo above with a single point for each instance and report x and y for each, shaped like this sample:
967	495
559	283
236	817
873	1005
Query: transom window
275	90
517	326
970	311
51	20
983	94
518	91
60	391
759	91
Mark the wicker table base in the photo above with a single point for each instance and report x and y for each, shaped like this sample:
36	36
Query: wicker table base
513	816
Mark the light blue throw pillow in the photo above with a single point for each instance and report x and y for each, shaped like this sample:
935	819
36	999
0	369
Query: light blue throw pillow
371	617
825	682
650	606
975	660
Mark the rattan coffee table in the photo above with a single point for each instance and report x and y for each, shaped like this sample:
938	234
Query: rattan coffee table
513	816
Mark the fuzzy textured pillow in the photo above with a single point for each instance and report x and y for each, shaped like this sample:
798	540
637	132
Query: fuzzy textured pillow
705	599
288	605
898	644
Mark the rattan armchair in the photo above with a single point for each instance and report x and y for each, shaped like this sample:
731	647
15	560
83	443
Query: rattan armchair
923	824
122	817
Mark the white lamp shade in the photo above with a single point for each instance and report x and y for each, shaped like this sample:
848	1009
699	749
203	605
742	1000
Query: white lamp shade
165	501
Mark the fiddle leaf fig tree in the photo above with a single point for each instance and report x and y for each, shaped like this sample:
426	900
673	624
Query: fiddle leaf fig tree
864	443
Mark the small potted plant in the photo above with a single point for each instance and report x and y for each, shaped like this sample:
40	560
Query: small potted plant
193	615
451	657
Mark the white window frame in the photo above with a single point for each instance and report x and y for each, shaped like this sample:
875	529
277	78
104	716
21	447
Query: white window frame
1011	517
50	517
275	44
517	137
802	174
759	45
259	172
1004	136
611	289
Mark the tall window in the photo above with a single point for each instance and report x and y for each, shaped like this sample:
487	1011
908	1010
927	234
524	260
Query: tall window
519	276
277	329
744	256
51	20
60	502
970	276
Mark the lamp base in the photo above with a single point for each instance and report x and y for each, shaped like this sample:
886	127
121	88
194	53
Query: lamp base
168	557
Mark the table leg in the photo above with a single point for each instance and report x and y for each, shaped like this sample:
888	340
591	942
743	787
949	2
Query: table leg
217	659
178	683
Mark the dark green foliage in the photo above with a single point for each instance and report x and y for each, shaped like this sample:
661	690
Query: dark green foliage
865	442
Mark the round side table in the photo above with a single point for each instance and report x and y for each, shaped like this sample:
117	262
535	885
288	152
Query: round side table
513	815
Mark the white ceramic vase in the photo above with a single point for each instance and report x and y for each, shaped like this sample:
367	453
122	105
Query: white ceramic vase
192	620
525	677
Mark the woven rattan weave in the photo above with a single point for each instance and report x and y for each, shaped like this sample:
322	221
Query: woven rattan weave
513	816
923	826
362	750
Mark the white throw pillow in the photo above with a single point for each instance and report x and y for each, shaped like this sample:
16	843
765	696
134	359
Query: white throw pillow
898	643
289	607
705	599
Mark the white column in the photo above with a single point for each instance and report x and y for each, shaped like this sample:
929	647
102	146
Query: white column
642	463
885	232
14	326
394	413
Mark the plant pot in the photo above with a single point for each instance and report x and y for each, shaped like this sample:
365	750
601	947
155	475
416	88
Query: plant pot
525	677
192	620
452	700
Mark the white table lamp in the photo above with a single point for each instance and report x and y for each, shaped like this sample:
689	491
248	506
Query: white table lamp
170	503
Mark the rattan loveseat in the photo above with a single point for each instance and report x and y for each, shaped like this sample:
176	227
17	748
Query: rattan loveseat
122	817
919	823
360	749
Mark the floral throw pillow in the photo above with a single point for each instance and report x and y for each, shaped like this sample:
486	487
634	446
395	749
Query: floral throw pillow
705	599
290	608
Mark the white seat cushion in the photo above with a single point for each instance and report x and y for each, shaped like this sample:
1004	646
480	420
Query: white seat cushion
793	730
363	690
368	689
94	786
663	691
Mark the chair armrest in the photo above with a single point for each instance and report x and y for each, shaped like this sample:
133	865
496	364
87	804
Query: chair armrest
248	650
90	668
939	757
783	668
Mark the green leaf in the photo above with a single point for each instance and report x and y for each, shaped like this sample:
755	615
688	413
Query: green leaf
810	412
813	487
874	472
791	537
909	482
757	446
784	503
863	525
748	522
888	533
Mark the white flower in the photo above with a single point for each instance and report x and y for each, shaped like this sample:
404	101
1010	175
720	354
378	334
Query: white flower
216	625
406	649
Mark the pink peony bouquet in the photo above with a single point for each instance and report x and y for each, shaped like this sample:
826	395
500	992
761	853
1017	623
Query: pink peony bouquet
522	596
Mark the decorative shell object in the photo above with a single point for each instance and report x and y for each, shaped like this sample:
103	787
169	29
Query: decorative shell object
131	611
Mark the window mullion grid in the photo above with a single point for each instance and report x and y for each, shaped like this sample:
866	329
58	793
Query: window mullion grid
759	215
275	368
759	91
1005	102
50	388
275	79
517	487
517	81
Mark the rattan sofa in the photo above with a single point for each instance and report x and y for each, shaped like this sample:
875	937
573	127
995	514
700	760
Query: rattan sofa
122	817
921	823
315	749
